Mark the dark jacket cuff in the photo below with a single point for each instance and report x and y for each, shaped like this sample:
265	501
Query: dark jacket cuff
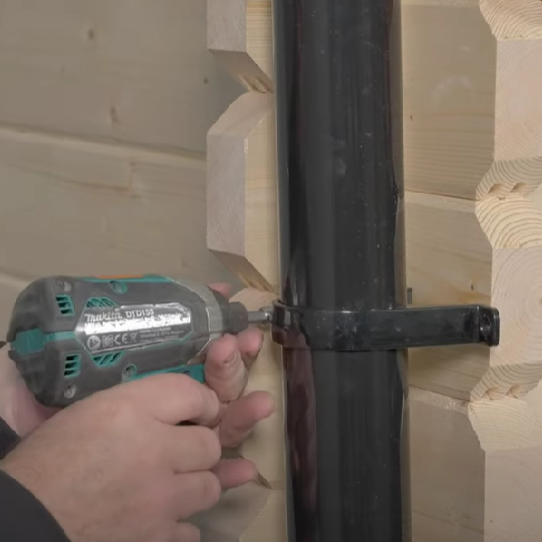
23	518
8	439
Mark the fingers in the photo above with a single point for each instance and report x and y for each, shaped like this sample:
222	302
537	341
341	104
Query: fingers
186	533
222	288
227	362
240	417
250	343
225	372
194	492
193	448
235	472
172	398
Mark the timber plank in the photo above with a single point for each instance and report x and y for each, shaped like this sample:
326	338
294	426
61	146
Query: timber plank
82	208
135	71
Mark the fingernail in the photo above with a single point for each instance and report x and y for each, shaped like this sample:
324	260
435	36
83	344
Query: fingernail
231	358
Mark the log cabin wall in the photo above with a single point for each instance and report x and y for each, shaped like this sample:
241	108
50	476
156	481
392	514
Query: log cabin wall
105	107
104	111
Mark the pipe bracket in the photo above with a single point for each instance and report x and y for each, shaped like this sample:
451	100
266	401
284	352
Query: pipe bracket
387	329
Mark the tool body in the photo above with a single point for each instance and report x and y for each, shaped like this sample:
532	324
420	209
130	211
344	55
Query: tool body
71	337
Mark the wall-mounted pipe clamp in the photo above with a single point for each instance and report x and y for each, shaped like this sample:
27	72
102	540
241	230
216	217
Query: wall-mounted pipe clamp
388	329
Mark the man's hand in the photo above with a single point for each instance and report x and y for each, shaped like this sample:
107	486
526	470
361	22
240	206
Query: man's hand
227	364
116	467
226	373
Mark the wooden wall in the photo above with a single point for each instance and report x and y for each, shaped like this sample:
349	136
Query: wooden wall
104	110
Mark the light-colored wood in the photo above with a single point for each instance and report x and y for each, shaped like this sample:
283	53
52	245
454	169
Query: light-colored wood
239	34
242	232
266	374
10	287
520	20
270	524
249	510
257	512
534	398
236	510
242	192
476	470
471	111
472	107
473	155
242	229
82	208
487	252
473	166
135	71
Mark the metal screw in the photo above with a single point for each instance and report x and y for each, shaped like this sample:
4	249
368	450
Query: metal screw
129	372
485	327
64	286
70	392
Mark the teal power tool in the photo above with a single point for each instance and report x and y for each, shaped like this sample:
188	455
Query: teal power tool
71	337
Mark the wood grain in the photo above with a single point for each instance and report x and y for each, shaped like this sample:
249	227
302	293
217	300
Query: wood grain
239	34
266	374
476	468
487	252
10	287
134	71
473	163
242	191
84	208
520	20
471	103
242	231
473	151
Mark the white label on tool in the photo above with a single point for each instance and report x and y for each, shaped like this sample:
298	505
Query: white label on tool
106	329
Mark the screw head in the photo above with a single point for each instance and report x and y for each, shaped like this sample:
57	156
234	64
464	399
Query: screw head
129	372
69	393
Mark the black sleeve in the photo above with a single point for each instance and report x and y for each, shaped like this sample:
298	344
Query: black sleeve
23	518
8	439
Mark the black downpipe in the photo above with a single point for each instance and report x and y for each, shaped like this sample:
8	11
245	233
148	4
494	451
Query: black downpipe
339	129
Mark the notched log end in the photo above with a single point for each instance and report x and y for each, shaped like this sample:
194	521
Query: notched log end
247	273
520	19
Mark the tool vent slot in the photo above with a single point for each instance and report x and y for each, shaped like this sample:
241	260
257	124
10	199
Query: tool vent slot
65	305
100	302
107	360
72	365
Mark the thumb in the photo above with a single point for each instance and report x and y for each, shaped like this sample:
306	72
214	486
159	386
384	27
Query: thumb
173	398
227	363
